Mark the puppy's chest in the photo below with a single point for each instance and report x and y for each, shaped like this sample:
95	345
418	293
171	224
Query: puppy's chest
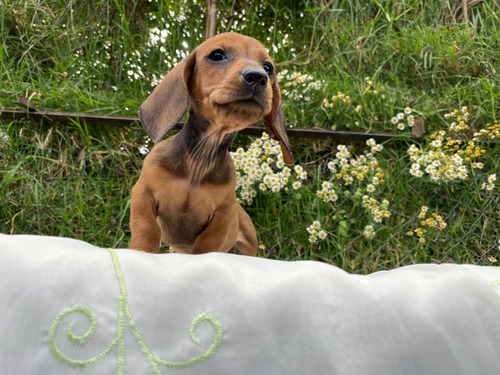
184	211
180	199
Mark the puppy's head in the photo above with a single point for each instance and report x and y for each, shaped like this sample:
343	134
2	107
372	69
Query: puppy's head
230	80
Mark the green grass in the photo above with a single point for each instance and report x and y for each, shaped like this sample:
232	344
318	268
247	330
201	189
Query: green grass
471	214
104	57
58	181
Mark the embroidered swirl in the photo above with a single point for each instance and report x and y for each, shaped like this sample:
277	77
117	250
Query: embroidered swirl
125	316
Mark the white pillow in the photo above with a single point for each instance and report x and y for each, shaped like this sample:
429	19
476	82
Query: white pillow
69	307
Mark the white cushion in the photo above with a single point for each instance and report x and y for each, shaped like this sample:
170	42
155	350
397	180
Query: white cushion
69	307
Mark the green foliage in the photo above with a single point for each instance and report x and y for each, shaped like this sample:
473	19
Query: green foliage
366	210
342	65
60	181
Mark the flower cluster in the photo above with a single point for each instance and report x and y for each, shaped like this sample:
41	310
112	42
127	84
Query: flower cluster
340	97
361	168
157	40
327	192
298	86
134	66
84	66
404	118
364	173
435	221
490	185
316	233
373	87
261	167
369	232
448	158
145	147
301	173
461	118
442	164
378	211
491	132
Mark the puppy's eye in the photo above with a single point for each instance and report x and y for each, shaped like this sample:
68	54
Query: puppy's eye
217	55
268	68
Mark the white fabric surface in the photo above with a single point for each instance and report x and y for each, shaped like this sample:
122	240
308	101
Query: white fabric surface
247	315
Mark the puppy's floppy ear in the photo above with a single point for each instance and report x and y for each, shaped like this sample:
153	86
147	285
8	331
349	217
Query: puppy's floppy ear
168	102
276	125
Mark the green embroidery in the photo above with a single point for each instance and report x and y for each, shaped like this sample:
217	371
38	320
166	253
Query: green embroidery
82	340
124	316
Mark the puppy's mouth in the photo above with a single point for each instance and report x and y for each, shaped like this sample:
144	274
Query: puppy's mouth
247	102
255	104
244	101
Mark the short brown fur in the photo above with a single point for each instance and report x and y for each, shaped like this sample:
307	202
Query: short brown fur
185	195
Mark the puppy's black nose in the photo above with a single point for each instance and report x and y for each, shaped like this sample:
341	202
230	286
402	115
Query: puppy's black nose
255	79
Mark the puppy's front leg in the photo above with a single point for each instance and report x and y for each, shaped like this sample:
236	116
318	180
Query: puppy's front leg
246	242
220	234
146	233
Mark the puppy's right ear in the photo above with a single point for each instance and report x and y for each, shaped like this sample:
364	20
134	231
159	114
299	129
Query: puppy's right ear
168	102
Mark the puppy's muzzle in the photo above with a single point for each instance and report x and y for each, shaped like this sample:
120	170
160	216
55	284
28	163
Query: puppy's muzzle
255	80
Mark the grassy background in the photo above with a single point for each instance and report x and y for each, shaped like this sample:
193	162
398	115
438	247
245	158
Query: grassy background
105	57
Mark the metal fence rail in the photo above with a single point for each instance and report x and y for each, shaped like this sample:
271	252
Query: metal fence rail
106	120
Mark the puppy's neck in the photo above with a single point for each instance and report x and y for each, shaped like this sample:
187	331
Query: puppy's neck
206	150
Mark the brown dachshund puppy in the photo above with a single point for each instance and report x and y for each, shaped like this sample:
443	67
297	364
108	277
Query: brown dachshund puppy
185	195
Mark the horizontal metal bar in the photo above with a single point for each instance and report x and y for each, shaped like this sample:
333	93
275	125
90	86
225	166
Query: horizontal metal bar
66	117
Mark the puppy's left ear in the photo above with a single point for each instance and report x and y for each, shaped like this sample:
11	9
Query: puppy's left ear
276	125
168	102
